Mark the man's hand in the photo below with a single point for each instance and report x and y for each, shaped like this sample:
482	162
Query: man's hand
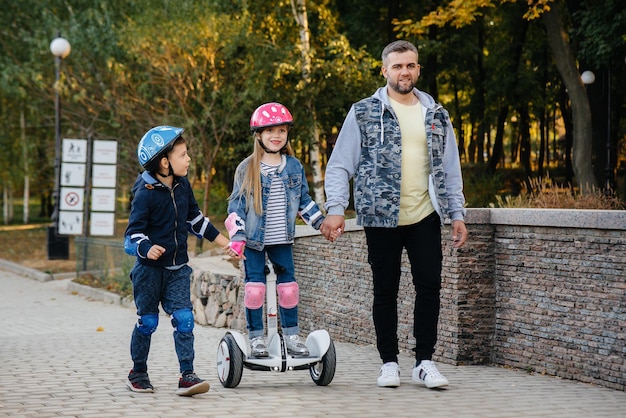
459	233
332	227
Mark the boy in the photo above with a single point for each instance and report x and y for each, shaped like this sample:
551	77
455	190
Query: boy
163	212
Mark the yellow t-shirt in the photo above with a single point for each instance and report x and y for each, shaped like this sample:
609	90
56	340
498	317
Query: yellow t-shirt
415	203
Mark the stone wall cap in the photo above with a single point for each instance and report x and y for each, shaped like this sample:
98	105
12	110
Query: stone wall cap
214	264
564	218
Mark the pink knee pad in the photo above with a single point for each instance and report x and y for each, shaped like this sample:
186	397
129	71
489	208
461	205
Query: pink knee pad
254	295
288	294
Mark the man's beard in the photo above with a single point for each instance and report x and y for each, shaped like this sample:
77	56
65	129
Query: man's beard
401	89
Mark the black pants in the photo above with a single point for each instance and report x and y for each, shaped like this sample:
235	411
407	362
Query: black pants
423	245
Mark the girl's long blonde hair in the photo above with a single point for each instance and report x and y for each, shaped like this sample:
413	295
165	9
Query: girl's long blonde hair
251	179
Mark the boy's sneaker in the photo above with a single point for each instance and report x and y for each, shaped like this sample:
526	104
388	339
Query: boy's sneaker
190	384
426	372
139	382
258	347
295	346
389	375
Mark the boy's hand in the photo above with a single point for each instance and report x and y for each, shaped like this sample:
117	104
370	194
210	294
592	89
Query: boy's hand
155	252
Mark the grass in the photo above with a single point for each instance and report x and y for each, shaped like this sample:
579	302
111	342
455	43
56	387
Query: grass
545	193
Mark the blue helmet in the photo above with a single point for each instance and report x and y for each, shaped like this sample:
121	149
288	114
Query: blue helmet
156	143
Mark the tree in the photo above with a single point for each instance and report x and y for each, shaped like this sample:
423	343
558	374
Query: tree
459	14
300	14
581	111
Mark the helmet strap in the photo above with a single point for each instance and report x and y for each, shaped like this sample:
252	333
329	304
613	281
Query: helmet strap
170	172
165	175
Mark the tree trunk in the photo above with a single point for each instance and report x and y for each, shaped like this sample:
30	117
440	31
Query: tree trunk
524	134
300	14
581	111
566	113
459	120
498	144
26	199
480	95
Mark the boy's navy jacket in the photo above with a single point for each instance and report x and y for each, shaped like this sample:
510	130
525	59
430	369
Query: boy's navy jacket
164	216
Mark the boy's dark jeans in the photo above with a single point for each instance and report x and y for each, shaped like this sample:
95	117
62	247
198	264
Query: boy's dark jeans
170	288
423	245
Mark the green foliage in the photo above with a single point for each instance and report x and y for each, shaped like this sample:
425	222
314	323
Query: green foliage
482	188
598	27
207	64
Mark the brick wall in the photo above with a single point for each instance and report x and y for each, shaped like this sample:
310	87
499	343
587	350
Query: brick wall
541	290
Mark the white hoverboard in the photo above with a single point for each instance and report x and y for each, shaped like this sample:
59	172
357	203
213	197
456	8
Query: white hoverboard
233	352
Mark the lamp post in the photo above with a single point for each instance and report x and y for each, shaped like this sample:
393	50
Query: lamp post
58	246
589	77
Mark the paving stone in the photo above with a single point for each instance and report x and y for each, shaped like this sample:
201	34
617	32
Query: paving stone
54	362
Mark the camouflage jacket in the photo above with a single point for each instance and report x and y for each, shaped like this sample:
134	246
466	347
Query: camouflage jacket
369	149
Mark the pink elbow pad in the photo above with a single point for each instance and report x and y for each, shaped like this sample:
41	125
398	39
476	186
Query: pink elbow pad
234	224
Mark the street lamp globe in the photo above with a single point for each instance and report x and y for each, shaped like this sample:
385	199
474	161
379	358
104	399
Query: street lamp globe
588	77
60	47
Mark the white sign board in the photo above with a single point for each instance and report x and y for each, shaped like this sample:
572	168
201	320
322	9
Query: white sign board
73	174
74	150
103	175
70	223
103	200
102	224
105	152
72	198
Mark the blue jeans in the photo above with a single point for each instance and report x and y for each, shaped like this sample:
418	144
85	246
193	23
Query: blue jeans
282	258
422	242
170	288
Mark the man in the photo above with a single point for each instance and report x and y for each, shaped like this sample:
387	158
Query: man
400	148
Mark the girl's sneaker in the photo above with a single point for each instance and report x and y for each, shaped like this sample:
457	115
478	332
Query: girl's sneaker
190	384
295	347
139	382
258	347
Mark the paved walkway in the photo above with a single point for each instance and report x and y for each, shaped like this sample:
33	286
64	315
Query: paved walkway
62	354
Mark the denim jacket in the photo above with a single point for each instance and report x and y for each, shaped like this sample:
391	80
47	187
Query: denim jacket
291	172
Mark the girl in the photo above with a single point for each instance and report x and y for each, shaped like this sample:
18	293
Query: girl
269	190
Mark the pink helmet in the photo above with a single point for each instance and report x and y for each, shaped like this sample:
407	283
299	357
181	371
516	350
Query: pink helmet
270	114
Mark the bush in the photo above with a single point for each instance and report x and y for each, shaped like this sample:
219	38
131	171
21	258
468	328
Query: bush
544	193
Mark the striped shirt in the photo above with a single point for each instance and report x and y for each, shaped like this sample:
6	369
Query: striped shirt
276	210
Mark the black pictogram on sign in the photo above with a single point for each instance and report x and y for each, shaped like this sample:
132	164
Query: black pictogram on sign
72	199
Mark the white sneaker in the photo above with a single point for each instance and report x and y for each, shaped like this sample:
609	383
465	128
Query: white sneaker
295	347
389	375
258	348
426	372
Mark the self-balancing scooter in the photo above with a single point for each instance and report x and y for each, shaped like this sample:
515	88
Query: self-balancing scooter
233	351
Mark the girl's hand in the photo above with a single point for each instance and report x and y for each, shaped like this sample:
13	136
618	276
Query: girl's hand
235	249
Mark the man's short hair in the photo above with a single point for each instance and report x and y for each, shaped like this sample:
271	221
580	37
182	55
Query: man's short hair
397	46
